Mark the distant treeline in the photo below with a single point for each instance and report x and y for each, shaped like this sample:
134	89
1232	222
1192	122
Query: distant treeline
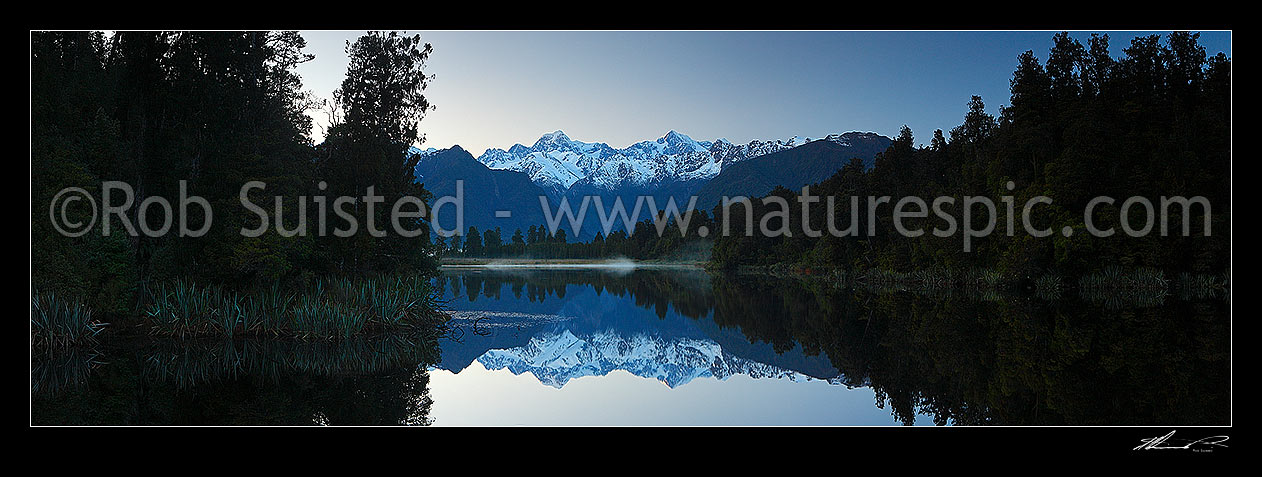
217	110
643	243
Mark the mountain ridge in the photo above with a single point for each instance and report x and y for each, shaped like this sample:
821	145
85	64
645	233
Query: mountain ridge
674	166
556	163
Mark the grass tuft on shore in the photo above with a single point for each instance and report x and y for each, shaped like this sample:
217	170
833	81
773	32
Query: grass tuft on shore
57	321
331	309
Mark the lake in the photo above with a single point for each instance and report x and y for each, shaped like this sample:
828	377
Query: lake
627	346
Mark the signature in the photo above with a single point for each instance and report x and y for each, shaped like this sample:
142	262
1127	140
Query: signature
1204	444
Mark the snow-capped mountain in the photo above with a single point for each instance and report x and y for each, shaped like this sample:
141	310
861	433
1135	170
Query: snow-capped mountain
556	162
555	358
674	167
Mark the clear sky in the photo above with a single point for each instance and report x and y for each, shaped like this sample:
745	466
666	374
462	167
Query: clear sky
494	89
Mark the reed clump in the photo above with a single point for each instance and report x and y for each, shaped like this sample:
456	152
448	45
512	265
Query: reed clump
934	281
58	321
55	370
1199	286
337	308
1049	287
1116	287
883	280
983	279
1112	286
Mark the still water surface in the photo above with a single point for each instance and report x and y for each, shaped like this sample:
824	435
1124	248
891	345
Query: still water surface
593	348
683	347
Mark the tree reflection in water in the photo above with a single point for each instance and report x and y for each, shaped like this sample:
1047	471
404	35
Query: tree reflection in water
963	358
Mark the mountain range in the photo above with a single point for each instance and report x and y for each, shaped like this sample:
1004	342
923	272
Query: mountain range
674	166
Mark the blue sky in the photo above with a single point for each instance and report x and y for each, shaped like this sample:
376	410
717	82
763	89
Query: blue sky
494	89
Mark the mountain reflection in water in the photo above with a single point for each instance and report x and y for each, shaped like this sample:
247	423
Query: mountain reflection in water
945	358
684	347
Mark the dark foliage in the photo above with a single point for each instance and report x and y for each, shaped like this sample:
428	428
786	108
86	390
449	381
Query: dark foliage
1154	123
177	114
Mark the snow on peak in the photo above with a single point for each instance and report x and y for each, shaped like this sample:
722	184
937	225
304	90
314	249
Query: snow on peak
677	144
559	357
554	138
557	162
413	150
